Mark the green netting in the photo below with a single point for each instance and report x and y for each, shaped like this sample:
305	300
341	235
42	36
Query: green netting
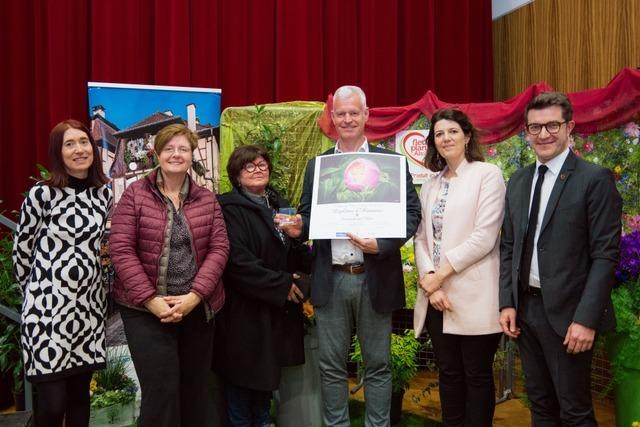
301	140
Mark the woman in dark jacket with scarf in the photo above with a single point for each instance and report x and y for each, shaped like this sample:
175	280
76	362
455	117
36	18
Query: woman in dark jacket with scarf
260	329
169	248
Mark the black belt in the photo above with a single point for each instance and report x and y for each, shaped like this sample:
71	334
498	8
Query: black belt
533	291
349	268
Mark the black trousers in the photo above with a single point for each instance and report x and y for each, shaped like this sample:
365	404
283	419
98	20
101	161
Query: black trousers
465	368
172	363
558	383
67	399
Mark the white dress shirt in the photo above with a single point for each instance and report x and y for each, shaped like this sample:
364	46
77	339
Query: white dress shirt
554	165
342	250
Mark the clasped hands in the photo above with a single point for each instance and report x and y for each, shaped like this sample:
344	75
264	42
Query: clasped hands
172	308
431	284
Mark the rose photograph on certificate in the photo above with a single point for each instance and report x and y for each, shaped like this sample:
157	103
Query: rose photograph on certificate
360	193
358	178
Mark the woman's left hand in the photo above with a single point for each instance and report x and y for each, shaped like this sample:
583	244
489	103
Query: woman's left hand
440	301
185	304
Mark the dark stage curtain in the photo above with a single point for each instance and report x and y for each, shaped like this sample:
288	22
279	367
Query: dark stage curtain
257	51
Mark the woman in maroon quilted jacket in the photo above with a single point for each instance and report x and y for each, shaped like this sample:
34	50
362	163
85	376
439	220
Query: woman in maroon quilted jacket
169	248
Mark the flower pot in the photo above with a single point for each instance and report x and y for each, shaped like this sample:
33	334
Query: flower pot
627	390
18	400
298	399
627	378
113	416
6	384
396	406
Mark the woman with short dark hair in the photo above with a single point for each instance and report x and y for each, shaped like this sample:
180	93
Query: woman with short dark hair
56	257
260	329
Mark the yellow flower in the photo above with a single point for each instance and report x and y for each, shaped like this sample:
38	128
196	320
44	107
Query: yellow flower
307	309
635	424
93	385
618	169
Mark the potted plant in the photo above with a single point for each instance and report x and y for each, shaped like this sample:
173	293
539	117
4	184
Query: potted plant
113	393
623	344
269	133
10	297
404	366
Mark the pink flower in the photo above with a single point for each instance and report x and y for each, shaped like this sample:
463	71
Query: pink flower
633	221
361	174
587	147
632	130
491	151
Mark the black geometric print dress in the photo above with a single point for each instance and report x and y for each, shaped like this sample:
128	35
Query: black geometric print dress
56	257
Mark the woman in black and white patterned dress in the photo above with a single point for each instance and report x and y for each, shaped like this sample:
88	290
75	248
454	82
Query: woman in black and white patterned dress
56	258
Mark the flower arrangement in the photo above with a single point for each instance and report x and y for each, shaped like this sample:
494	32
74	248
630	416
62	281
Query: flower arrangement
309	316
112	386
139	154
624	342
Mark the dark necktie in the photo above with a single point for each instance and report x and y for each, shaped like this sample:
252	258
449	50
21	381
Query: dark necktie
527	252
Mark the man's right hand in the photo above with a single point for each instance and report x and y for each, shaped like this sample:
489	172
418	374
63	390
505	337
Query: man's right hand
508	322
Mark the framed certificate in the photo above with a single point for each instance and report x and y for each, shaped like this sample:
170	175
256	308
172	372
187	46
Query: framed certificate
360	193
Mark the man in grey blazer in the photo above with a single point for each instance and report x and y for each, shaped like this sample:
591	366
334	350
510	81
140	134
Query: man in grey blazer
355	281
559	250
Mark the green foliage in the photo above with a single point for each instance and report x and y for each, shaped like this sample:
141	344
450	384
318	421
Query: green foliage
269	133
410	272
110	398
404	350
623	344
11	297
112	385
616	149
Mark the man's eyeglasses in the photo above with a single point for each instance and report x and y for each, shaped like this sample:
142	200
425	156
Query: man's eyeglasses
536	128
251	167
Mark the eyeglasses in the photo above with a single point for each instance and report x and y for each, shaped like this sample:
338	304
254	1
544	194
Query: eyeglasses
251	167
551	127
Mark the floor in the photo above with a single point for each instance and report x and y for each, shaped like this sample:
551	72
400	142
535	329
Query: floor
511	413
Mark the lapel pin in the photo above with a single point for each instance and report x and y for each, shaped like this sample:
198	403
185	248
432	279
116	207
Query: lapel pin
563	176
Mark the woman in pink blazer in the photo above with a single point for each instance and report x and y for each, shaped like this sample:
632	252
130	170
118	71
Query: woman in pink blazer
457	255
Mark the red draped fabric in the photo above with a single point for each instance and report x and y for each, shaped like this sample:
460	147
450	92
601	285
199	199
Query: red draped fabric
256	51
594	111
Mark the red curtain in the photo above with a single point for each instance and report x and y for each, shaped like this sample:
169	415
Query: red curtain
593	111
256	51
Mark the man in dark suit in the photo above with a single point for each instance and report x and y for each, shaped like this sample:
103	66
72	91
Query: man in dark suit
358	280
559	250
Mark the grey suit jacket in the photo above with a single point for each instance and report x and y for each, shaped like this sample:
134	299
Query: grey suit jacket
578	246
383	271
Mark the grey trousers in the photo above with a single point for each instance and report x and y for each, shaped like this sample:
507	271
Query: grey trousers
349	304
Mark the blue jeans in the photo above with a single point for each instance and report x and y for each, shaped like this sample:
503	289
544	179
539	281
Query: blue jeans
247	407
350	303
